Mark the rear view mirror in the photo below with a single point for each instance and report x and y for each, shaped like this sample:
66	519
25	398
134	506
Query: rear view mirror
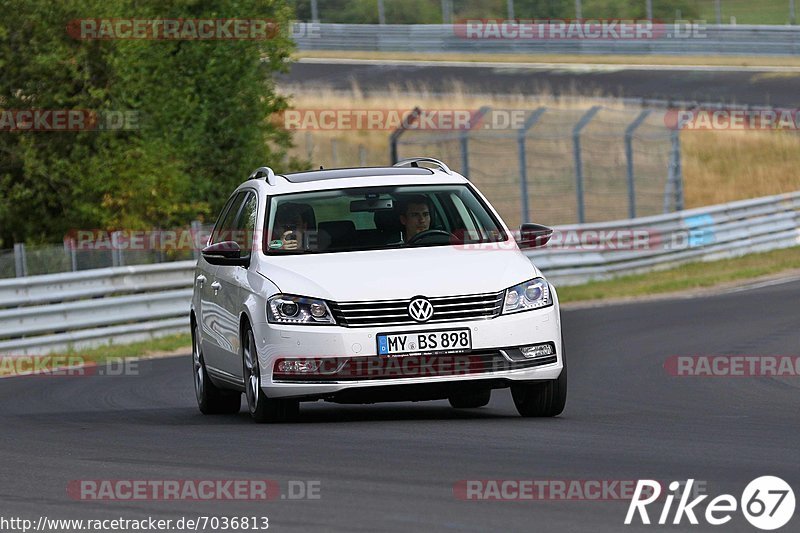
533	235
371	205
225	253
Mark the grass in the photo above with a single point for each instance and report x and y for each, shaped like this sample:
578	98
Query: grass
686	277
170	343
746	11
114	352
650	59
726	166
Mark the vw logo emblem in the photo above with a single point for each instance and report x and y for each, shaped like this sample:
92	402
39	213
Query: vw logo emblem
420	309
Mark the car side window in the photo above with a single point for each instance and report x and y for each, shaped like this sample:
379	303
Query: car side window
224	227
246	223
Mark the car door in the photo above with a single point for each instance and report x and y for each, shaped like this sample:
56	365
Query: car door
215	320
234	287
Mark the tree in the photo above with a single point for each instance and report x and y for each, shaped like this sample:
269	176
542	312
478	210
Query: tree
202	113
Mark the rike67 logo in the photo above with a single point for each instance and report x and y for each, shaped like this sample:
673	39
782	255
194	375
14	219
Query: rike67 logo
767	503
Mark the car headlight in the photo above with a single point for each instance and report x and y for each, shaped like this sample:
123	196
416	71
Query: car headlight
532	294
286	309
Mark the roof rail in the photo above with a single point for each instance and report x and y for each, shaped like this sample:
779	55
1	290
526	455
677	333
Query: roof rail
414	162
263	172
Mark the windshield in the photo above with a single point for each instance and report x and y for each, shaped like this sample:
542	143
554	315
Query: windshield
372	218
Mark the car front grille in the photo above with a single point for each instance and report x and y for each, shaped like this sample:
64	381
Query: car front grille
395	312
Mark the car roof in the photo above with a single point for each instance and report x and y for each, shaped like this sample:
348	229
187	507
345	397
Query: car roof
314	180
360	172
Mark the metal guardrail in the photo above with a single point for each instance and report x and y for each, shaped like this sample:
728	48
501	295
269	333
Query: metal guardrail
56	312
52	313
702	40
702	234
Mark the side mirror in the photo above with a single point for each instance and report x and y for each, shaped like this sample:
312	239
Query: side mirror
533	235
225	253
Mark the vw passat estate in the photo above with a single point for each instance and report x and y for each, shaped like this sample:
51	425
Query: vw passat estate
365	285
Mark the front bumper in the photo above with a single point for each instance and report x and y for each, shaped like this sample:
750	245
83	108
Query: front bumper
494	360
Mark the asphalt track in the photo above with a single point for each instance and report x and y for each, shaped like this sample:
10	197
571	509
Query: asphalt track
712	84
393	466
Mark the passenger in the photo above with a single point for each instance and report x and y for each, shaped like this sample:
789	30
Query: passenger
290	226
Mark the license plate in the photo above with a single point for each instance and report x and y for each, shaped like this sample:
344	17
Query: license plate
425	342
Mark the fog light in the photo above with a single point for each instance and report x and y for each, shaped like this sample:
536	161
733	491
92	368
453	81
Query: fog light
538	350
297	366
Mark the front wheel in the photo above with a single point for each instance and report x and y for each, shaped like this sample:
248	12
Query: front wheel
262	409
210	399
542	399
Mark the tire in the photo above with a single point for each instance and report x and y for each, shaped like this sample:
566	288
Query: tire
471	400
542	399
210	399
262	409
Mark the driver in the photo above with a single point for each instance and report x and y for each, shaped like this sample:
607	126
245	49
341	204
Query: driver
415	216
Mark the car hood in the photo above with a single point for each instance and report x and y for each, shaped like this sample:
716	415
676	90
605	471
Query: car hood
398	274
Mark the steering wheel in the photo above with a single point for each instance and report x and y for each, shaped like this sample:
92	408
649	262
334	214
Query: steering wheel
428	233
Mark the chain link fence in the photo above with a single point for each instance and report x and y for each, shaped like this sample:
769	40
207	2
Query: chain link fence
562	166
102	251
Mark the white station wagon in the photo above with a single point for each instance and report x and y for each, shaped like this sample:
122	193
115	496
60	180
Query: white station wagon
365	285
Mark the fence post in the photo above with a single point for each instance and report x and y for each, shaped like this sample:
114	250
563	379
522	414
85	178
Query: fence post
381	13
523	161
69	251
395	137
629	160
20	260
675	175
447	11
576	145
309	146
116	250
474	121
314	11
362	156
465	153
334	153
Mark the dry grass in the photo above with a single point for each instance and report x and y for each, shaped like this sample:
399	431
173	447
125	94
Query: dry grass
733	61
718	166
721	167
